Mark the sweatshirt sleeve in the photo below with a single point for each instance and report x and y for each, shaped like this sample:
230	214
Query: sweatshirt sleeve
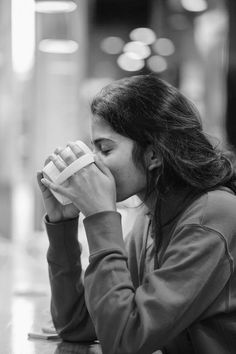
69	311
195	269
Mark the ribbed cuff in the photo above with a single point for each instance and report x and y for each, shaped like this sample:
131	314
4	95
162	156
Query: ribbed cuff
104	231
63	241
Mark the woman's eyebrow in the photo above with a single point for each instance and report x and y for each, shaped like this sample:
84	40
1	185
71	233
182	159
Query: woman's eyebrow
100	140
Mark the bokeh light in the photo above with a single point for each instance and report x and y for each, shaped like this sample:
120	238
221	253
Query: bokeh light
157	64
137	50
56	46
55	6
23	36
112	45
194	5
127	63
164	46
143	34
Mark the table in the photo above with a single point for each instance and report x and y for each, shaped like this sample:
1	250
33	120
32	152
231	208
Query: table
25	301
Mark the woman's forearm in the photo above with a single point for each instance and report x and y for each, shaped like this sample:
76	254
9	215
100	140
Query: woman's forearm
69	312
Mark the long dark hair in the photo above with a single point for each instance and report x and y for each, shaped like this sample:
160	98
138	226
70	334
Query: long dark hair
150	111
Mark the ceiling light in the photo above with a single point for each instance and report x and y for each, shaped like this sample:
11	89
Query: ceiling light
112	45
23	36
137	50
194	5
56	46
164	46
55	6
127	63
143	34
157	63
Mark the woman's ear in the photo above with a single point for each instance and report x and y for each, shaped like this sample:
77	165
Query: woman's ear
153	160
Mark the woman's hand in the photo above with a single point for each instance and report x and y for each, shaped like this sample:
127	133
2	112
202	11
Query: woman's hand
55	210
92	189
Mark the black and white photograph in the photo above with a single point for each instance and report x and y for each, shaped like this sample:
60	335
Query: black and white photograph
117	177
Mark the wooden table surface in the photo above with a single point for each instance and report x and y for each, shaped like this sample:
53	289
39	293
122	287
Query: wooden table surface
25	301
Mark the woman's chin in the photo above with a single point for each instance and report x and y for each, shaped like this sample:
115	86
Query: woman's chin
120	197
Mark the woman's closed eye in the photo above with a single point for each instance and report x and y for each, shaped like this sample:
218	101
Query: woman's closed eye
103	146
105	151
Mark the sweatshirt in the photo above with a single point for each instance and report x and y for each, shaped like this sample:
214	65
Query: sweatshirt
187	304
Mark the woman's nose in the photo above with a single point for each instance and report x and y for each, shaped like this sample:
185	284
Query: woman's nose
97	153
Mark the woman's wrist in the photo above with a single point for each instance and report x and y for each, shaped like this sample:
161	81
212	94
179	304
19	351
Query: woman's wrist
52	220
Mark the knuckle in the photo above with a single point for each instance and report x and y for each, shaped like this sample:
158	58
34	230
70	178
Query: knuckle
53	157
58	160
56	187
81	153
76	150
58	149
68	159
47	161
71	143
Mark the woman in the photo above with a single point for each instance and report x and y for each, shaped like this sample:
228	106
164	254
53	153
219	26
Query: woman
172	287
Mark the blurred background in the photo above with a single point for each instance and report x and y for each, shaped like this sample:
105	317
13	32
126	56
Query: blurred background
55	55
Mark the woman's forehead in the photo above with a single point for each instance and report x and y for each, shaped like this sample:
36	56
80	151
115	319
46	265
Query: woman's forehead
100	129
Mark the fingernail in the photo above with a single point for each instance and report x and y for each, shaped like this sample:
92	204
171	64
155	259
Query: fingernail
53	157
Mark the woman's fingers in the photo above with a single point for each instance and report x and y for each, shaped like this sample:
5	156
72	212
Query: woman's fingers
58	162
41	185
55	187
58	149
47	161
76	149
62	157
67	155
44	189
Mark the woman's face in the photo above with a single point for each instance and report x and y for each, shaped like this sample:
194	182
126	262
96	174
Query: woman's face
115	151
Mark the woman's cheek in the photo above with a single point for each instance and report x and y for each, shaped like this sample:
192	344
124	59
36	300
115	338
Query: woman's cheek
102	157
108	161
112	161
